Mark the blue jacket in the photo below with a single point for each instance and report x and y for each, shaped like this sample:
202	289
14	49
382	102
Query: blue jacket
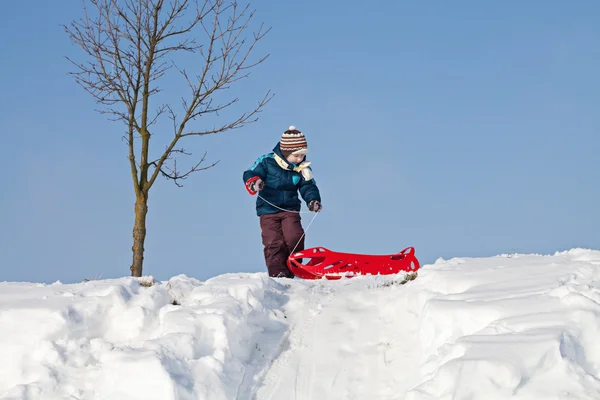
281	185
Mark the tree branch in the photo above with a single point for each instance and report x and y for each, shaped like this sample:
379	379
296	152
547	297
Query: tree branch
130	45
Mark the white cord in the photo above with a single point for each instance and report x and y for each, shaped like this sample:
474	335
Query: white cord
305	230
283	209
293	211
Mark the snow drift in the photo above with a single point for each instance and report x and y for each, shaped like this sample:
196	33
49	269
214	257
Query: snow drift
506	327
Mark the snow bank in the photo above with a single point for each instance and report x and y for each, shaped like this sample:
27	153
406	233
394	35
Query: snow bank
513	326
506	327
116	339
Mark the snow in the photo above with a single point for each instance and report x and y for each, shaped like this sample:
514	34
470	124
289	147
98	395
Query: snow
514	326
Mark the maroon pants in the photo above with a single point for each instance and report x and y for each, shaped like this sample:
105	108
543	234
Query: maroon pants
281	233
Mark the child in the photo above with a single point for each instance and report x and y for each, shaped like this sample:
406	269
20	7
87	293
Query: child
278	176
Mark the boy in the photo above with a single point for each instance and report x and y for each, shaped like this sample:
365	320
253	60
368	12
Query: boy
278	176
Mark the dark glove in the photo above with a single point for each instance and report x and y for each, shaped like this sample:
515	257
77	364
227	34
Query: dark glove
315	206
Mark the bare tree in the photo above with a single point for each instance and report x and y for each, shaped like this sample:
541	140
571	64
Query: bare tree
130	45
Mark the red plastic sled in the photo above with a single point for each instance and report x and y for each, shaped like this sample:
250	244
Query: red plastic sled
319	262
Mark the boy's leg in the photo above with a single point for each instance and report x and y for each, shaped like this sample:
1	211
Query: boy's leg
293	233
275	248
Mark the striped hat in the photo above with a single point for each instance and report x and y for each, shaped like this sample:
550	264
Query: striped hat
293	142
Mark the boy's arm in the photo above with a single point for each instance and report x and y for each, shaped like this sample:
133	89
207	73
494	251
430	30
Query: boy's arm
253	174
309	191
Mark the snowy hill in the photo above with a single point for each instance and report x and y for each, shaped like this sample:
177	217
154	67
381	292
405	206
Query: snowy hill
505	327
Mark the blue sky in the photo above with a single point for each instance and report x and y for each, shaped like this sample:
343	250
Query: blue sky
462	128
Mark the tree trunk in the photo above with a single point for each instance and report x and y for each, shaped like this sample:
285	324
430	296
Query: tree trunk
139	233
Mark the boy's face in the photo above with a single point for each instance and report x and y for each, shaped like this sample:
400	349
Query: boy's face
296	159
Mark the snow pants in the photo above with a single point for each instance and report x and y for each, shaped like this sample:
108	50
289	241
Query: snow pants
281	233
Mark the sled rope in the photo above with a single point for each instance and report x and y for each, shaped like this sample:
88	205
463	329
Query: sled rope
293	211
283	209
304	233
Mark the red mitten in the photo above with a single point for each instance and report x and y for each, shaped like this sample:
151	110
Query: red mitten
253	185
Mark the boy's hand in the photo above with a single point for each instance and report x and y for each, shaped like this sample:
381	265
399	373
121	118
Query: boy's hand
253	185
315	206
257	185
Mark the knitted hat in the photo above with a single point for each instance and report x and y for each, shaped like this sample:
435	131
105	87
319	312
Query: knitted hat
293	142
